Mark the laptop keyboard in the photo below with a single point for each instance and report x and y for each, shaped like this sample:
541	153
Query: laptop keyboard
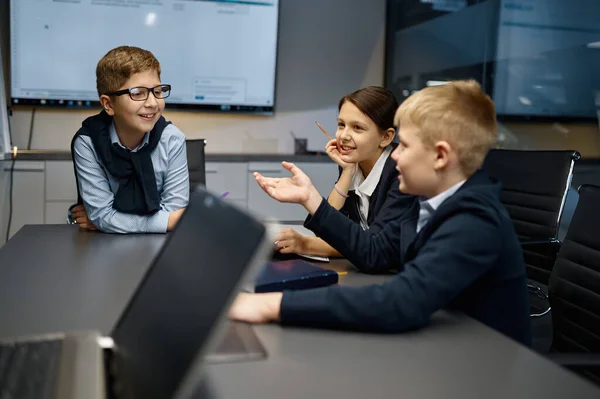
29	369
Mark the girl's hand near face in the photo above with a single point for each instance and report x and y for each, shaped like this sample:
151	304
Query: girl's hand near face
332	150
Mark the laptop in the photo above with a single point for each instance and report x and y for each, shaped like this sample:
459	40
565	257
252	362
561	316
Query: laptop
172	321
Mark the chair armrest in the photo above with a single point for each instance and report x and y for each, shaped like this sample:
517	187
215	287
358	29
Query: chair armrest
531	244
576	361
537	289
70	219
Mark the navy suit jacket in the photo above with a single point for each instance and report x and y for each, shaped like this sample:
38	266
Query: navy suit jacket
386	204
467	258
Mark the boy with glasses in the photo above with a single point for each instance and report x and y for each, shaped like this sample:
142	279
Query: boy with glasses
130	163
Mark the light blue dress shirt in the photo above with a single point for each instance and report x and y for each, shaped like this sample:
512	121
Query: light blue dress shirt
98	187
427	207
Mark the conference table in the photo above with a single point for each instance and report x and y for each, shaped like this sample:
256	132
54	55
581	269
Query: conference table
59	278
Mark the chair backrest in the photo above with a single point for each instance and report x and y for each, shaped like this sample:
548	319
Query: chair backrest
196	162
534	187
574	288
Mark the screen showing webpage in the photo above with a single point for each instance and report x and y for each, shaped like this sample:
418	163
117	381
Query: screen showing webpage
216	55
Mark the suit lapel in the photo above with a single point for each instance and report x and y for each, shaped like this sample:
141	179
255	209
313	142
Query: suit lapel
379	195
408	233
374	205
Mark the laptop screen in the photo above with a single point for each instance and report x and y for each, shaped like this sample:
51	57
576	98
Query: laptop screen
185	291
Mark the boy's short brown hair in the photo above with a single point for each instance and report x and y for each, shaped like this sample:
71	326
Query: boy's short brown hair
458	112
117	66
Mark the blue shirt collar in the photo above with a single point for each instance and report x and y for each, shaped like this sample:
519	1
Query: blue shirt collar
429	206
114	138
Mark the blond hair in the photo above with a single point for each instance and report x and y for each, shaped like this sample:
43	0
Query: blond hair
117	66
459	113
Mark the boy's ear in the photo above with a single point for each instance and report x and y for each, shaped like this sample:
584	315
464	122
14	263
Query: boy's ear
443	153
387	138
107	104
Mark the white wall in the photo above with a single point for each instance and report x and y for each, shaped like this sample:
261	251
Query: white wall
327	48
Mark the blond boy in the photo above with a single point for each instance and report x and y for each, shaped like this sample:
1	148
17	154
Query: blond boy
457	248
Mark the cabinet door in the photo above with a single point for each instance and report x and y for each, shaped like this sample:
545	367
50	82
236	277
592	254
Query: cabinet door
224	177
60	181
323	176
27	195
56	212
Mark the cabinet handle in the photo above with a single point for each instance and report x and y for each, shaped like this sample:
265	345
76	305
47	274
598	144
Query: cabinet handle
21	169
270	171
212	172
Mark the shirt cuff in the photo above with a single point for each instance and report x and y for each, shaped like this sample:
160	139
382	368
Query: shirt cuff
159	222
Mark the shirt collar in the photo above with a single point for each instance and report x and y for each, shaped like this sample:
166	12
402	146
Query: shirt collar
368	185
435	202
114	138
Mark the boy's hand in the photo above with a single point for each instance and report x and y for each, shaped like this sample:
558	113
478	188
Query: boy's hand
332	150
297	189
256	308
174	218
289	241
79	215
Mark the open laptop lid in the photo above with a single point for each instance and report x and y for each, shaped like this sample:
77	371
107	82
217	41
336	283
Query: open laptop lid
164	332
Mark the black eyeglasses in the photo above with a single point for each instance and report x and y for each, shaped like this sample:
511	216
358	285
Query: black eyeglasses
141	93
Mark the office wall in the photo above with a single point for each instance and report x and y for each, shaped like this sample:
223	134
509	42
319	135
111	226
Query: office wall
4	39
327	48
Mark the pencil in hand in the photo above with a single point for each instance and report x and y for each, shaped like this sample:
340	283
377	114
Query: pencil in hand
323	130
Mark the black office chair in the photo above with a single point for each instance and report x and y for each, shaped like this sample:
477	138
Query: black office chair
196	162
534	191
574	290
